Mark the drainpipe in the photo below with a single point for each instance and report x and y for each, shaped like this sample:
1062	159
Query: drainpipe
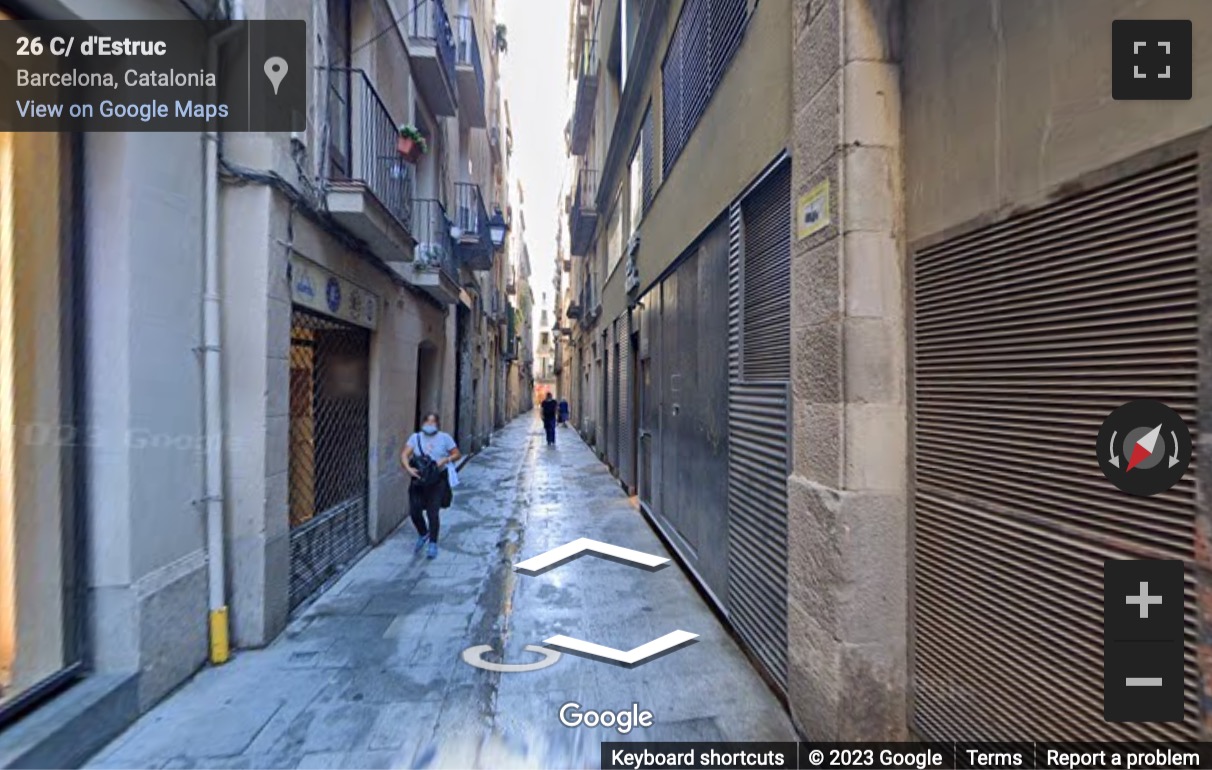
220	647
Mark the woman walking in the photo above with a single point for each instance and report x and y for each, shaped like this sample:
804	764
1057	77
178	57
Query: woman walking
427	457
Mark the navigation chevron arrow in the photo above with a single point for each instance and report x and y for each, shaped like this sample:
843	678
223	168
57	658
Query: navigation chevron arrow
646	652
537	565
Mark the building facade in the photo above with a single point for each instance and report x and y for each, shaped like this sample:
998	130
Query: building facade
249	328
834	263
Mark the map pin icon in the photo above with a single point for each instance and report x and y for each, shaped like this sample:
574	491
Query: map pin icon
275	70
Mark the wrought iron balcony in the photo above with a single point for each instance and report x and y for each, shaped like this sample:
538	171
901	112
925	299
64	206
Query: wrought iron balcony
470	71
472	237
587	93
435	267
583	214
431	47
370	183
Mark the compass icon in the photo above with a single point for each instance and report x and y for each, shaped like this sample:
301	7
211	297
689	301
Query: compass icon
1144	447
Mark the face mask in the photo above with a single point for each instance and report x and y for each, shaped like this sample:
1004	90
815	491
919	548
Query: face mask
429	430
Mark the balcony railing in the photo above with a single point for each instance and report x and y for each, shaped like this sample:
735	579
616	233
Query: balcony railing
429	22
471	219
587	92
370	184
435	250
582	215
467	54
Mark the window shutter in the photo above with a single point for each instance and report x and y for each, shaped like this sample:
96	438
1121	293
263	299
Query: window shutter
648	154
671	91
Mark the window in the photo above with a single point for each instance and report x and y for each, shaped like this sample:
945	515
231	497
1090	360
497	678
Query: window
648	167
707	34
635	190
339	74
615	244
544	339
40	540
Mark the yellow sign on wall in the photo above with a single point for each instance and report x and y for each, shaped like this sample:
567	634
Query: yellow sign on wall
812	214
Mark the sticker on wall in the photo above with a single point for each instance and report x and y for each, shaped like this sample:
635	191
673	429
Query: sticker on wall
813	211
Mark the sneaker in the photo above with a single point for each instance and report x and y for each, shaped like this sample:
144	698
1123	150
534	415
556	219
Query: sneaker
421	541
432	553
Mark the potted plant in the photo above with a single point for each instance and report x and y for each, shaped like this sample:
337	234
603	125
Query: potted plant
411	143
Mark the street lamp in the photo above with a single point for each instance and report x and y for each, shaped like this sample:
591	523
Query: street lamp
497	228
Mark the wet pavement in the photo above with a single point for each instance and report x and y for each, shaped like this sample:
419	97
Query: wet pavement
371	675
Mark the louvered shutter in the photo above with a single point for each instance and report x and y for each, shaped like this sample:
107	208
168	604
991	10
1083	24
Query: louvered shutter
671	99
1027	334
766	320
759	419
728	19
648	159
696	65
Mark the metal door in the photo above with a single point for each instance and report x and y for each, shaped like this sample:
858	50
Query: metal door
1027	333
329	449
692	440
759	366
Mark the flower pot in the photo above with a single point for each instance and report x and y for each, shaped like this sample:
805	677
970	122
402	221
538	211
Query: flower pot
409	148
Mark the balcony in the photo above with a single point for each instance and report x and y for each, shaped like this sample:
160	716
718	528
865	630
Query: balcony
432	50
434	269
370	184
470	72
574	310
582	213
587	94
472	240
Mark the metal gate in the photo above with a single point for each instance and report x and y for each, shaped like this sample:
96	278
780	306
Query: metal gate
329	449
759	424
1027	334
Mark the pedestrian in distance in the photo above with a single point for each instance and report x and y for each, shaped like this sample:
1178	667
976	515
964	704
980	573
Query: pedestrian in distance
428	457
563	413
550	410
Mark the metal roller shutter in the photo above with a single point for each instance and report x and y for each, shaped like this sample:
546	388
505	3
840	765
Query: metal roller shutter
759	363
1027	334
626	432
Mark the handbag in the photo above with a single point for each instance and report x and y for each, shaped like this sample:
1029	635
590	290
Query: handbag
427	469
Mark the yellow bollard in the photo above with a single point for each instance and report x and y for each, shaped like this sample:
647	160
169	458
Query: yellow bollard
219	649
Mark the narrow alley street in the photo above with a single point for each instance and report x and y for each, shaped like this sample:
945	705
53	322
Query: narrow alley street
371	675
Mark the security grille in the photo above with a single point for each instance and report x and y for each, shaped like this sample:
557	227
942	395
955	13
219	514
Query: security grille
1027	334
759	355
329	454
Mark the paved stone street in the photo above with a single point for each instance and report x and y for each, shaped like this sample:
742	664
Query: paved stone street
370	675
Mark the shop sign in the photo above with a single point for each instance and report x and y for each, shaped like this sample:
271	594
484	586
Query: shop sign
319	289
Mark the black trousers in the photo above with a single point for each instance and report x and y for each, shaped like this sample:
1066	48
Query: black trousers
549	426
425	507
